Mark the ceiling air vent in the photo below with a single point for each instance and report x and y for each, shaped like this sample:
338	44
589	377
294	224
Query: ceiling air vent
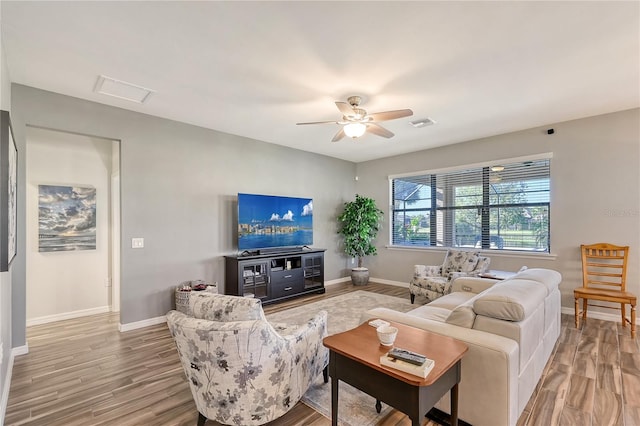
122	90
423	122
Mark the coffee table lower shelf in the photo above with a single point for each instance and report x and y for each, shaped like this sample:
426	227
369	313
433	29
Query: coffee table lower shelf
415	401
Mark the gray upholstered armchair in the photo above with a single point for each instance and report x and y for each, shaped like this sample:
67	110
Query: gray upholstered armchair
242	370
435	281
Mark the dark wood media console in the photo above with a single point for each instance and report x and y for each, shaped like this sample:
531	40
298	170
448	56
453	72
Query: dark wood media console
275	276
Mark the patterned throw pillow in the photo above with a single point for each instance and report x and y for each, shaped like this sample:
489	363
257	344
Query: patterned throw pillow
459	261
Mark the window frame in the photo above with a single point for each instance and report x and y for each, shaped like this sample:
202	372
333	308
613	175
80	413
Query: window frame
433	210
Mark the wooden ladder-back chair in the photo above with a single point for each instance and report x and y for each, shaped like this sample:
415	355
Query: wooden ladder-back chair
604	271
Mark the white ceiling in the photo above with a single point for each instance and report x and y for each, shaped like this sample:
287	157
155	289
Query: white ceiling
256	68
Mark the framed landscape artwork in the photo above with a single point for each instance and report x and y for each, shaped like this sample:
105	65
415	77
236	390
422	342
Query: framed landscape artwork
66	218
8	192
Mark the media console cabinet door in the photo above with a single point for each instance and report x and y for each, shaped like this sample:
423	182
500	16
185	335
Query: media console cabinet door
313	265
255	279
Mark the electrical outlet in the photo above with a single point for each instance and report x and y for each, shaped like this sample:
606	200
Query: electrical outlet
137	243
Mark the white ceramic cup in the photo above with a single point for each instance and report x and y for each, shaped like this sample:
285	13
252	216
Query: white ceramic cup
387	334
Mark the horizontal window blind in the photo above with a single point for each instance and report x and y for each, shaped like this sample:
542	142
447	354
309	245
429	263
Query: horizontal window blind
501	207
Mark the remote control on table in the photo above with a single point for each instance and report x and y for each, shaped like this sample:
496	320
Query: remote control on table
377	323
408	356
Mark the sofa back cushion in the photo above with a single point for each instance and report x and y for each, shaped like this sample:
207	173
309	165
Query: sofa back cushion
548	277
464	315
223	308
511	300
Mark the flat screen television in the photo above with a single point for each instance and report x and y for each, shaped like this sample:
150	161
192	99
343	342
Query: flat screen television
269	221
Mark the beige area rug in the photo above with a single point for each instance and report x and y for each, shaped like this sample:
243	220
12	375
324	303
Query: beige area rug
355	408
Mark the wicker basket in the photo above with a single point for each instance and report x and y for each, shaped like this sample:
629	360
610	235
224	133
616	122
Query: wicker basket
182	302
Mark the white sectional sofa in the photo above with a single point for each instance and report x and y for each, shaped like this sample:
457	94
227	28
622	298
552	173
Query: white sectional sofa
511	328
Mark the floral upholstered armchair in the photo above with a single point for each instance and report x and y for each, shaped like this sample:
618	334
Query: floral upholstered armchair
242	370
435	281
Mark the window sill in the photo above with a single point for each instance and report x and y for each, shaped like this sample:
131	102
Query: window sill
490	253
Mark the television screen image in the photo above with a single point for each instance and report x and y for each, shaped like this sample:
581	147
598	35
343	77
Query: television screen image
266	221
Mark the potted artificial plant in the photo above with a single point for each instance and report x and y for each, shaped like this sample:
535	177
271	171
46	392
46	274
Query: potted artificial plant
359	222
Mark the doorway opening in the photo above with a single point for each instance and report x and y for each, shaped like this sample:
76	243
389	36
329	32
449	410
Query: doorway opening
72	225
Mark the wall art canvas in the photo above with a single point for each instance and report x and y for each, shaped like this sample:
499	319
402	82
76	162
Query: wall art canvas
8	192
67	218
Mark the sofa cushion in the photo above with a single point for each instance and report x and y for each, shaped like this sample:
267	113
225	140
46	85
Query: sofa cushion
431	312
511	300
452	300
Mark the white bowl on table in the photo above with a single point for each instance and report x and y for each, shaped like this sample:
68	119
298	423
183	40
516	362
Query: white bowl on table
387	334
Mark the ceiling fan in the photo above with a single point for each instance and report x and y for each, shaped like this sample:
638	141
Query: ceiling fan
355	120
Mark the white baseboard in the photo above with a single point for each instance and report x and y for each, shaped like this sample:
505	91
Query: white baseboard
597	315
68	315
141	324
377	280
5	390
20	350
390	282
337	281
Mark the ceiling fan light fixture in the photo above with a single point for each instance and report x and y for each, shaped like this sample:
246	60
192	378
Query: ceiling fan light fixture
356	121
355	130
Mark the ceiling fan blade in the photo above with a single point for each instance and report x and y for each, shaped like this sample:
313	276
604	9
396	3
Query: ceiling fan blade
318	122
390	115
344	108
377	129
338	135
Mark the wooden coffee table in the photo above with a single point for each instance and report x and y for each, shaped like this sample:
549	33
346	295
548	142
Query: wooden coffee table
355	359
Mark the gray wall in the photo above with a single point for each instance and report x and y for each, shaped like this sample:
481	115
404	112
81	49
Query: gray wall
594	194
179	184
5	277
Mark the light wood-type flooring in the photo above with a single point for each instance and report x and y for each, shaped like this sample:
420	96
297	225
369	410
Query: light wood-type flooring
85	372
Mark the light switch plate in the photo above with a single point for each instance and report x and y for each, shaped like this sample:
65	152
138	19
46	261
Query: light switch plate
137	243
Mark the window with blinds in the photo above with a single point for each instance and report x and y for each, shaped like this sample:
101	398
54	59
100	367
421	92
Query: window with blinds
501	207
